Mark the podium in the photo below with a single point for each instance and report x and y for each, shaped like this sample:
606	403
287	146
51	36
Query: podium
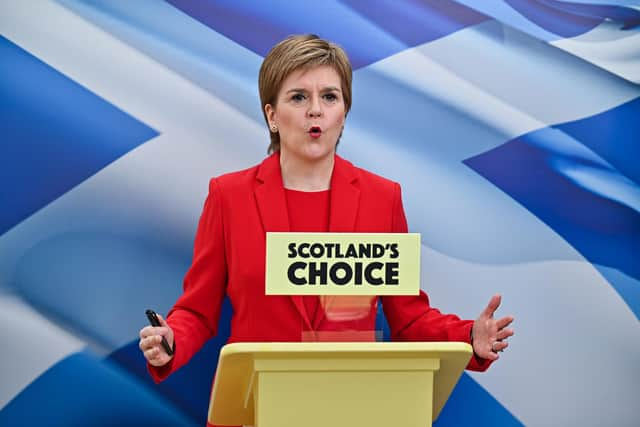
324	384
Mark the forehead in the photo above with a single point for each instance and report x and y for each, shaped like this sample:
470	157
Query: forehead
313	77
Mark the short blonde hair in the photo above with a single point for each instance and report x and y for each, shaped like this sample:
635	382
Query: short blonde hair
294	53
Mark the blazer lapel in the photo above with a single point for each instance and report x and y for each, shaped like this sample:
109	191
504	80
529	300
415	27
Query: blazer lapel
345	201
270	197
272	206
345	197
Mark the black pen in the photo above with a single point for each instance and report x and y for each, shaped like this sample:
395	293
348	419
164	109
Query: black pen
153	319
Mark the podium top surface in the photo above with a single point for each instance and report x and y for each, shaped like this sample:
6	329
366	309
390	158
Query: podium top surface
230	399
346	349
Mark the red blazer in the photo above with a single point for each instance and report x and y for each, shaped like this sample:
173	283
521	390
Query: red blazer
229	259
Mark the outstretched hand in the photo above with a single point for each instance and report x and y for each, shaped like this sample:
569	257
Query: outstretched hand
489	335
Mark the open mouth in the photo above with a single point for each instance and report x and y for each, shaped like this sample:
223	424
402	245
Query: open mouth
315	131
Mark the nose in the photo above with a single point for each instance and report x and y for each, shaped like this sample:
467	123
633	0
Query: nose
315	109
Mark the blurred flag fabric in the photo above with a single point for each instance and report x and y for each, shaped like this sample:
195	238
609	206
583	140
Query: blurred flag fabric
513	128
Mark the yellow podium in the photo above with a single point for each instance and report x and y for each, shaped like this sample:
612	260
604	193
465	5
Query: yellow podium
335	384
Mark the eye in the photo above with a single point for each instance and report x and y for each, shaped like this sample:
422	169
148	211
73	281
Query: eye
330	96
298	97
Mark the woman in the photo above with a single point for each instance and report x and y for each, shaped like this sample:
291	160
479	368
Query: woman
305	90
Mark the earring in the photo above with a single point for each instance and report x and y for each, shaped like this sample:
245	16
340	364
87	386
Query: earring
274	128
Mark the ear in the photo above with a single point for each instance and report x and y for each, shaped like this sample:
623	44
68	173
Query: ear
270	112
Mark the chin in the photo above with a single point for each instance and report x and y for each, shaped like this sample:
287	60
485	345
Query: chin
318	154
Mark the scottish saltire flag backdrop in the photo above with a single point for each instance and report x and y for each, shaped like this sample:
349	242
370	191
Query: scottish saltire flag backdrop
513	127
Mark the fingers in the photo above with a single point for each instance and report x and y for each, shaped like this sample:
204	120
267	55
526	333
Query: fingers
151	344
503	334
493	305
487	353
499	346
148	331
490	352
490	334
152	354
153	351
504	322
156	357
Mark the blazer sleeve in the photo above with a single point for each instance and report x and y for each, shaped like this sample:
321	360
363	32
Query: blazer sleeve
195	315
411	318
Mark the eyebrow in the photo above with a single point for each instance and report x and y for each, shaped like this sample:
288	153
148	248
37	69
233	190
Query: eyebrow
326	89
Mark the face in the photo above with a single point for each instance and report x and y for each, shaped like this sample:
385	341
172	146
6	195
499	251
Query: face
309	113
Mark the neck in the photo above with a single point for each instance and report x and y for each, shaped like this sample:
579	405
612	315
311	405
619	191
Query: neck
303	175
